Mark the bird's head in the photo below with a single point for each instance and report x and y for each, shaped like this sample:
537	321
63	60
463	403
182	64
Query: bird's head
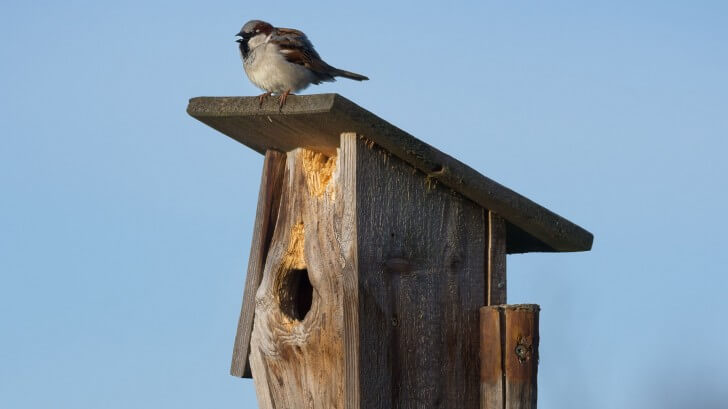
252	34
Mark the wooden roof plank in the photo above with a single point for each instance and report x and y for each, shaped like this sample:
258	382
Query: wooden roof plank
317	121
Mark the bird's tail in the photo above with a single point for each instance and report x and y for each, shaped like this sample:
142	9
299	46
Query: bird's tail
350	75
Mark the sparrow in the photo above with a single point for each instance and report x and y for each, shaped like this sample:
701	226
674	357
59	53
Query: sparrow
283	60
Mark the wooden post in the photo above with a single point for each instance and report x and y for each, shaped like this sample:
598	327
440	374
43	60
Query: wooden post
508	356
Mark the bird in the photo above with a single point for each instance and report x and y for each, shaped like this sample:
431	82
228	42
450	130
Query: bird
282	61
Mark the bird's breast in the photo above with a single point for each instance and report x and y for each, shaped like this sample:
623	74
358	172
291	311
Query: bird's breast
268	69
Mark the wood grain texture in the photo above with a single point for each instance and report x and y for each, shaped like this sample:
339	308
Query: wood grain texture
316	122
496	259
350	279
265	217
521	357
509	356
297	344
492	389
420	263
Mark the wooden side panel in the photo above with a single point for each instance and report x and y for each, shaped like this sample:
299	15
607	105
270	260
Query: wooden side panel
297	344
496	259
420	259
266	213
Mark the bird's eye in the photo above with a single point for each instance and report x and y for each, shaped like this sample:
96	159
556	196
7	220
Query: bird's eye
257	31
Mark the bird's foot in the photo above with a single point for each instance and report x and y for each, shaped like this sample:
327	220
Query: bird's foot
262	98
283	98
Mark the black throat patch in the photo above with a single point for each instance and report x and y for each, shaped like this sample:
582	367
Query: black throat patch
244	47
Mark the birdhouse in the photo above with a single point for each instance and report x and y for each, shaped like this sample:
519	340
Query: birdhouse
377	274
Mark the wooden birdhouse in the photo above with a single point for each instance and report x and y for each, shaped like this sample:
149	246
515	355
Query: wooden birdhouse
374	259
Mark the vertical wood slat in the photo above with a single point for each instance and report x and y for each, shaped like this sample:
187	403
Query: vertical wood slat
492	390
496	259
350	279
269	197
521	357
509	356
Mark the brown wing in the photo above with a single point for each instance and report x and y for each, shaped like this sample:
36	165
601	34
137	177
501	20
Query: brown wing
297	49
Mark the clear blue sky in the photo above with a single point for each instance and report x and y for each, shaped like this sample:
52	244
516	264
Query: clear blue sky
125	224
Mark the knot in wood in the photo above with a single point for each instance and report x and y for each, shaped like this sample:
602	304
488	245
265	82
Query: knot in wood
398	265
524	349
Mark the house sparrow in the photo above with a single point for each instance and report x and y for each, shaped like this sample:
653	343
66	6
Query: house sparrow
283	60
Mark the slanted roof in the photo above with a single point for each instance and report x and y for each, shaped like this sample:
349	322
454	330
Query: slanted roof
317	121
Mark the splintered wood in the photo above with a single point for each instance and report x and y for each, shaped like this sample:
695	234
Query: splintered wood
297	341
318	169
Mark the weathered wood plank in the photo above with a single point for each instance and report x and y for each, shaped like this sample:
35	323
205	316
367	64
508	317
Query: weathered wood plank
350	279
496	258
316	121
420	264
492	390
265	218
521	357
297	344
509	356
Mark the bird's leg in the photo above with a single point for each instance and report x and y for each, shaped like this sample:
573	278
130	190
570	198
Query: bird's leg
284	97
262	98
